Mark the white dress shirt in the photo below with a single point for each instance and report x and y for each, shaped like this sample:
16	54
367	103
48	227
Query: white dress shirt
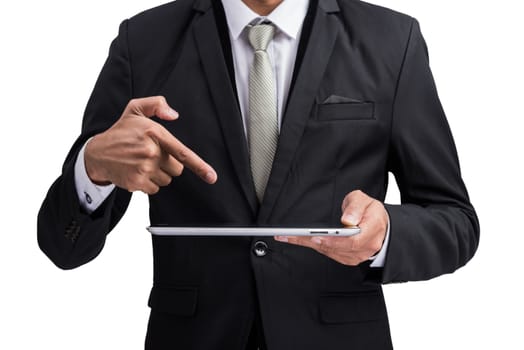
288	19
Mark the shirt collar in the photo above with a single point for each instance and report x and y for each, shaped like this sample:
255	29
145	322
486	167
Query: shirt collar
288	17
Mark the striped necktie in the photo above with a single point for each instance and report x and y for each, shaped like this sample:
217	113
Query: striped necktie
263	114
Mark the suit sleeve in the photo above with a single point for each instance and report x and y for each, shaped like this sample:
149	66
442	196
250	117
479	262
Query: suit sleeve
67	234
435	230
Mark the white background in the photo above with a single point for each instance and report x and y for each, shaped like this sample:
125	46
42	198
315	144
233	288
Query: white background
50	55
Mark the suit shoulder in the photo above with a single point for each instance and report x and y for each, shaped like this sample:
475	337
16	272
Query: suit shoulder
366	8
153	28
376	19
161	17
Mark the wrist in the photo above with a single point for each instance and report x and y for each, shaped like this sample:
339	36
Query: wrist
94	171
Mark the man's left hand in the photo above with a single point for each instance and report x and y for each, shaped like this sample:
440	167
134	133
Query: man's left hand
358	209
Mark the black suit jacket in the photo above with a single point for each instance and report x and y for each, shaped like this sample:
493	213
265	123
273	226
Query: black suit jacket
363	103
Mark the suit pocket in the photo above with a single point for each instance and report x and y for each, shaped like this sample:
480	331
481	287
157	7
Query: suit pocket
346	111
180	301
352	307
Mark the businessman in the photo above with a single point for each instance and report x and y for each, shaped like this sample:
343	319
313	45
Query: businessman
268	113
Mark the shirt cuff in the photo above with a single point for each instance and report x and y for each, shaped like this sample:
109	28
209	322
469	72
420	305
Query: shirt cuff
379	259
90	195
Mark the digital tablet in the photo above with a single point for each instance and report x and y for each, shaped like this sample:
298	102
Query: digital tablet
251	231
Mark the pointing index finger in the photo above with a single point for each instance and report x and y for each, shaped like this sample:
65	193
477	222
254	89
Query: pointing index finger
184	155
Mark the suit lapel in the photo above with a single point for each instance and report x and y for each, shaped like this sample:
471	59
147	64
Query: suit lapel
223	95
301	99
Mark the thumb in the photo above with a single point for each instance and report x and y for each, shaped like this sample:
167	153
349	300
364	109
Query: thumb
167	113
354	207
350	219
152	106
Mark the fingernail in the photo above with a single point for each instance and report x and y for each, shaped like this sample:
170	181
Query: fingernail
210	177
349	220
281	238
172	113
317	240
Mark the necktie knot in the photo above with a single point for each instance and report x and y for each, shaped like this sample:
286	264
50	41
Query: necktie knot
260	35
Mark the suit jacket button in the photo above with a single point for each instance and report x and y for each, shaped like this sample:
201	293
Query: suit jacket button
260	249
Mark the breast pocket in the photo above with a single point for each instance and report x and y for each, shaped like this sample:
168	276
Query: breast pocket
345	109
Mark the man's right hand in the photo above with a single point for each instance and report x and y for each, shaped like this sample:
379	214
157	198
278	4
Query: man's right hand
139	154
